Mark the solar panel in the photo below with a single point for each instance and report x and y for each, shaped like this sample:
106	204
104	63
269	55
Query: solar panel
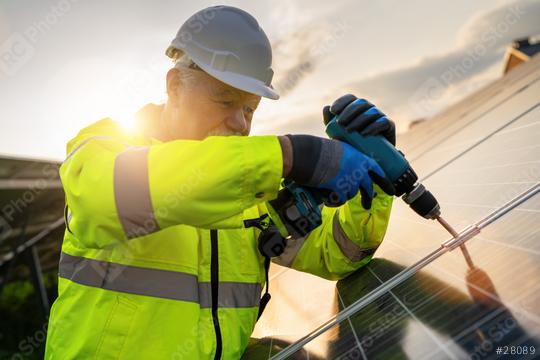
31	200
437	313
477	182
427	135
475	157
31	227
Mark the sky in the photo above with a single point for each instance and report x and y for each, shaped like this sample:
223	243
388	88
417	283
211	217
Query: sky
67	63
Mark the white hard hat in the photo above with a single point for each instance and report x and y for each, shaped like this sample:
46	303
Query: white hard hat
228	43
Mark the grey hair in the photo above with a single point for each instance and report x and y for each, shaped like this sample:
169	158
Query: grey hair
186	66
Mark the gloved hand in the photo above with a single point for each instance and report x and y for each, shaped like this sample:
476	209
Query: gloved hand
362	116
335	169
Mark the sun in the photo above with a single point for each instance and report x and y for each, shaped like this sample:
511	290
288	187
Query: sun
125	117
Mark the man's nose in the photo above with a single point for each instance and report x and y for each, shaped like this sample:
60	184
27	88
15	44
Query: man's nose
237	122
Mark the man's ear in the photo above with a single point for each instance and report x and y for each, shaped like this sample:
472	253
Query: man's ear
174	84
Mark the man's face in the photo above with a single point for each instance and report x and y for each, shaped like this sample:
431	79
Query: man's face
208	107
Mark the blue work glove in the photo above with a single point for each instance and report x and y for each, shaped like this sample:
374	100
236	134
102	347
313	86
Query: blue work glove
335	169
360	115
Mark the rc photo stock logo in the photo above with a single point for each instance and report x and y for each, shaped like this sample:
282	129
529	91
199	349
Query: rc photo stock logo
424	100
15	52
19	48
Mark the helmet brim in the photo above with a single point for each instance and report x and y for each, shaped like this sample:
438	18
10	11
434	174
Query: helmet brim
235	80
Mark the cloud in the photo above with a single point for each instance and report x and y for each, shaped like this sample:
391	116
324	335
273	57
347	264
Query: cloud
304	38
294	59
434	82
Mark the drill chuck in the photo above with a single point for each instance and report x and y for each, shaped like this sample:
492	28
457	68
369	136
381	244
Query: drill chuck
423	202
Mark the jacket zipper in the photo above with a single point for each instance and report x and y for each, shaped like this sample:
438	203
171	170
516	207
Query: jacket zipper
214	280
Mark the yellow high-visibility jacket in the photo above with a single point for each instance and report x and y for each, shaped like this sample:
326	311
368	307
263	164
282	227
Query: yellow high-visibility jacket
156	262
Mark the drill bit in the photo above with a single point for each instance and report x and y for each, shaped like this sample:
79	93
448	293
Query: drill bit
455	235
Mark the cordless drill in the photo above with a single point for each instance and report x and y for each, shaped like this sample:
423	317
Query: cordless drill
297	209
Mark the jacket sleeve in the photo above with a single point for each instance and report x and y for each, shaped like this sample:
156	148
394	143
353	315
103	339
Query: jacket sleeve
346	240
115	191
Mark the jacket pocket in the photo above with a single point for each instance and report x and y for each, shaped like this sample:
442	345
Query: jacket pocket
117	329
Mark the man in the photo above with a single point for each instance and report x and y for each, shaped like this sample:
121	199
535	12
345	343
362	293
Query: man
156	260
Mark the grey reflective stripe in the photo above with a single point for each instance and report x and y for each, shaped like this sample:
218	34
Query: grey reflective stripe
86	141
129	279
231	294
352	251
132	193
290	252
156	282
